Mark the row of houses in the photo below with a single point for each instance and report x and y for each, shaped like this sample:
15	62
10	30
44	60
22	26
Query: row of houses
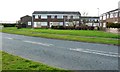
42	19
112	16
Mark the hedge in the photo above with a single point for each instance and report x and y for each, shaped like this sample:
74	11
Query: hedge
113	25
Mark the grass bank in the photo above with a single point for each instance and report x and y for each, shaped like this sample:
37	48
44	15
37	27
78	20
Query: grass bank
10	62
75	35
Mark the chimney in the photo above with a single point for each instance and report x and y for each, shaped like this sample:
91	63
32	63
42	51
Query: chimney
119	5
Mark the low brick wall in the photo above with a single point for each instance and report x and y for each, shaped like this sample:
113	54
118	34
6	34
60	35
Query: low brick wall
113	30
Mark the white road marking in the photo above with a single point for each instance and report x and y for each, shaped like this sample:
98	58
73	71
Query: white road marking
96	52
101	51
39	43
9	38
77	49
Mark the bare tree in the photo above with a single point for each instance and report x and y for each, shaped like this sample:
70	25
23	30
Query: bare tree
85	13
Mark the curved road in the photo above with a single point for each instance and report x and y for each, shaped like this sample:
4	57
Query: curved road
63	54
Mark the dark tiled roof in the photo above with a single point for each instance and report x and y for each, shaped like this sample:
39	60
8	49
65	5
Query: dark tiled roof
26	16
89	17
113	10
110	11
56	12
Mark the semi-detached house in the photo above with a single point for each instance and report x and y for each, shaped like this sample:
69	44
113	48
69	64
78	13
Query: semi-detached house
55	18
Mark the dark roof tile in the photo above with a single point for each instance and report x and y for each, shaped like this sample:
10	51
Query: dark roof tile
56	12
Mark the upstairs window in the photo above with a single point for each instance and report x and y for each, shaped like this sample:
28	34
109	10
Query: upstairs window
116	14
119	14
36	17
75	17
104	17
101	18
107	15
69	17
111	15
43	16
59	16
52	16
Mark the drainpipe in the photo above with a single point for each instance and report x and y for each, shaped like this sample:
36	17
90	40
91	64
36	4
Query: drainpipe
64	22
32	22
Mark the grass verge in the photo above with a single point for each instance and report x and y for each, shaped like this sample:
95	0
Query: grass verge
74	35
10	62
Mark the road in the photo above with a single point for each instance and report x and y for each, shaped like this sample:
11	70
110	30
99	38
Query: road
70	55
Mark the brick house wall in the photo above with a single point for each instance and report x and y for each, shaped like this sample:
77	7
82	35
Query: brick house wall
55	19
25	20
106	17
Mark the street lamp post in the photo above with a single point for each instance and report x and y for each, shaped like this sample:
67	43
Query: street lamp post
98	16
98	12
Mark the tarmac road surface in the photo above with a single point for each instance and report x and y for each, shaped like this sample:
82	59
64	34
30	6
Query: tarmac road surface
69	55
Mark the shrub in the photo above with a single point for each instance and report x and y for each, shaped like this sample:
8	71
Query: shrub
69	27
113	25
53	27
9	25
60	27
91	27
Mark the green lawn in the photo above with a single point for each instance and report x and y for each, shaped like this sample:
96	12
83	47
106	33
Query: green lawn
10	62
75	35
0	60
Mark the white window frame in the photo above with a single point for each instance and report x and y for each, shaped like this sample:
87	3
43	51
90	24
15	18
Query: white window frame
60	16
75	17
69	17
111	15
29	23
36	17
43	23
52	16
43	16
104	17
107	15
35	24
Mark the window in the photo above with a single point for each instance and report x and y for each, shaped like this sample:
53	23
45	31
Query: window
75	17
44	16
43	23
29	23
36	16
59	16
116	14
54	23
52	16
60	23
35	24
104	17
38	24
101	18
111	15
107	15
69	17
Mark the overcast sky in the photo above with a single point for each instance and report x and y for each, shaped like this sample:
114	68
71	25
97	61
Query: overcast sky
12	10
